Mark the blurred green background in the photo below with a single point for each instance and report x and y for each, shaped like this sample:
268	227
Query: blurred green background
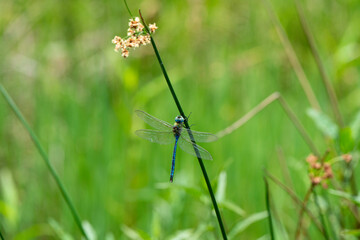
224	57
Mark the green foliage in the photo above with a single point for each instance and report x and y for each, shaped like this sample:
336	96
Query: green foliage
345	195
351	233
346	140
223	57
242	225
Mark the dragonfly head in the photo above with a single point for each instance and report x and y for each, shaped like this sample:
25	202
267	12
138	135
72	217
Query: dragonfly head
179	119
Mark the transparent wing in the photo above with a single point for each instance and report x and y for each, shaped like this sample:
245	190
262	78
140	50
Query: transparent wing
198	136
156	136
153	121
188	147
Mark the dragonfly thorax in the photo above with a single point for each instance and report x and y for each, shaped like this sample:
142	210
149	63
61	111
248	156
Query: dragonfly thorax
177	128
179	121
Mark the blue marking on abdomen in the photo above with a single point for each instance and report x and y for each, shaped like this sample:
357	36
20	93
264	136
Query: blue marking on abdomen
173	160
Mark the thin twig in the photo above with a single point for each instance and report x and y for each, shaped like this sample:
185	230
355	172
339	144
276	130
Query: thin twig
41	150
298	125
301	212
325	78
202	166
249	115
260	107
322	160
296	199
294	61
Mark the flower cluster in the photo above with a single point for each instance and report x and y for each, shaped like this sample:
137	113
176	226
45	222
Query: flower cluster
319	172
136	36
347	157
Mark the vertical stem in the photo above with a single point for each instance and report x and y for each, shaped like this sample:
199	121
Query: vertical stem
1	236
45	158
268	208
350	168
325	78
208	184
301	213
322	219
296	200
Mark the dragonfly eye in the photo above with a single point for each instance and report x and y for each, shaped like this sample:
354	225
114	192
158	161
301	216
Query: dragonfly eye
179	119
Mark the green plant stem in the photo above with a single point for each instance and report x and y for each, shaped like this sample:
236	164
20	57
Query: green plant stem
350	168
268	208
296	199
298	125
45	157
1	236
301	213
331	217
322	219
325	78
202	166
128	9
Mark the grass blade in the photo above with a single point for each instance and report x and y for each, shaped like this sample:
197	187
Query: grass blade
325	78
294	61
267	199
241	226
41	150
296	200
322	218
1	236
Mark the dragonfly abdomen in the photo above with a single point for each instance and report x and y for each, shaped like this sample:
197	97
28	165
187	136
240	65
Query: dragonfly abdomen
173	160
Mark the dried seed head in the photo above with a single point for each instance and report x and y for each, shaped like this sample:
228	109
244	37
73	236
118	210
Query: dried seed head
152	27
312	159
134	23
124	53
132	43
328	172
315	180
143	39
118	47
136	36
131	32
316	165
347	157
116	40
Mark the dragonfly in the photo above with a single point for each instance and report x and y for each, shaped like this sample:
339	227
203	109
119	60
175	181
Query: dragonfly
165	133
